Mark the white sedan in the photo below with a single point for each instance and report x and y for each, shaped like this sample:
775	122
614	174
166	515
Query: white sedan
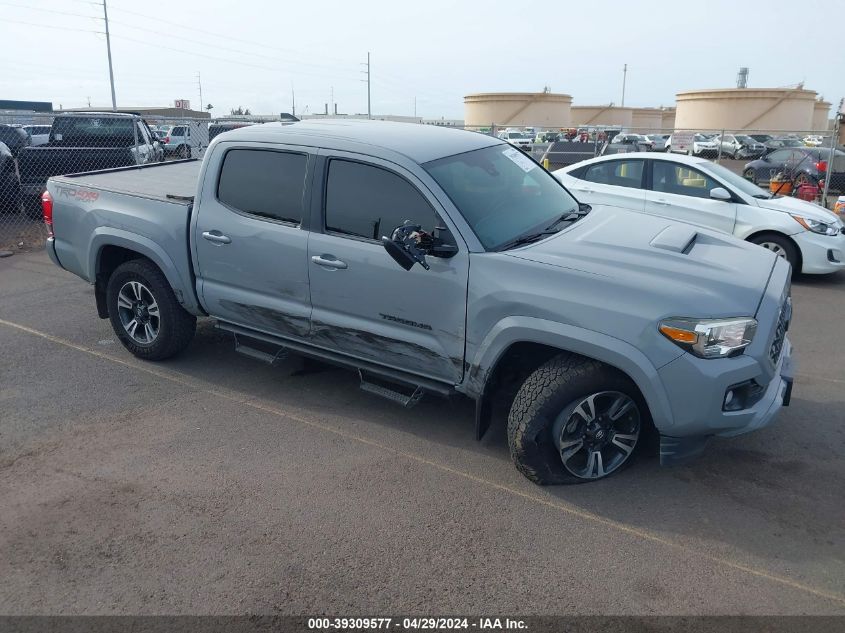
696	191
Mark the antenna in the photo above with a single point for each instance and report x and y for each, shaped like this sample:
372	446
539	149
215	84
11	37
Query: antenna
108	49
624	78
199	84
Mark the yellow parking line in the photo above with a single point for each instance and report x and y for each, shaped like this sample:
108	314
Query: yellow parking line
179	378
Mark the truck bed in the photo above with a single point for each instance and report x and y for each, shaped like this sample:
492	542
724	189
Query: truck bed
170	182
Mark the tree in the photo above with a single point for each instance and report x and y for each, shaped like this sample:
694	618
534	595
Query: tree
209	107
241	111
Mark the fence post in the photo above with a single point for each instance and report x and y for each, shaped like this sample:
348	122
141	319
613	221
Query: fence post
135	123
721	139
833	137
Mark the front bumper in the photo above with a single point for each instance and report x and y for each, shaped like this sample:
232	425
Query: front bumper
821	254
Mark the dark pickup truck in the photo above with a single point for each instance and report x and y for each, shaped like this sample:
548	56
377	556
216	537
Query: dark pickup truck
82	142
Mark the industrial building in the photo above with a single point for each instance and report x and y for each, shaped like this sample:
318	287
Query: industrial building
545	109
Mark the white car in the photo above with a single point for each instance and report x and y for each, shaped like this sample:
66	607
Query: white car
696	191
812	140
522	140
40	134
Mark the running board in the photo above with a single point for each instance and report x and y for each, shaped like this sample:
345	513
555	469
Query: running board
257	354
388	393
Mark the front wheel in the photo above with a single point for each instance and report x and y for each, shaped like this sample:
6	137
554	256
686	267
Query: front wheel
781	246
575	420
144	312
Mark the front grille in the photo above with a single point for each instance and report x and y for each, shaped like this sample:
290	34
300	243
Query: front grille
780	331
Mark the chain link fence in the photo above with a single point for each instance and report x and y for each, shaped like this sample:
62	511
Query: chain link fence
34	147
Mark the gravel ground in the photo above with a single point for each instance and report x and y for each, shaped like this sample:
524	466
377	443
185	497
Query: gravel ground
212	484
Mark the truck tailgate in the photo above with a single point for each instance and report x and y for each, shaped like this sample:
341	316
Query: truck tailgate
37	164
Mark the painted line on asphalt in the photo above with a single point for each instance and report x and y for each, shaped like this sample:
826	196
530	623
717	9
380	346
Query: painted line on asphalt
233	396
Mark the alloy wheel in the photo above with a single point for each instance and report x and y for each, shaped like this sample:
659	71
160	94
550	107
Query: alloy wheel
597	434
139	312
777	249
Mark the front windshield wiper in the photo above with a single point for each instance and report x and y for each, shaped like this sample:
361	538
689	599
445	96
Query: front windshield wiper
569	216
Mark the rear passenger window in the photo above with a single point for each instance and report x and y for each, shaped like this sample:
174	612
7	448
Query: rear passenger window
621	173
266	183
369	202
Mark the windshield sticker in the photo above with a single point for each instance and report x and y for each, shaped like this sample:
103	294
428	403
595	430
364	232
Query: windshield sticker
525	163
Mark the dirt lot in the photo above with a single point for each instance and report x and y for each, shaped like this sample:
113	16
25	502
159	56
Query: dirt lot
213	484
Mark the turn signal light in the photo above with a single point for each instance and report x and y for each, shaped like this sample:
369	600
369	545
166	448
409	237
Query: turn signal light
678	335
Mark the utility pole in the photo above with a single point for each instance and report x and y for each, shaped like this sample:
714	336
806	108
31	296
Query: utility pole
624	77
199	83
292	100
331	100
369	110
108	48
415	107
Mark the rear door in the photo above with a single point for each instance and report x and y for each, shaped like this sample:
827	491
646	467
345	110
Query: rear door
617	182
681	192
364	304
250	241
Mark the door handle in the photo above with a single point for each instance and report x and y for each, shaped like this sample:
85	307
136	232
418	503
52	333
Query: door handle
661	201
216	237
329	261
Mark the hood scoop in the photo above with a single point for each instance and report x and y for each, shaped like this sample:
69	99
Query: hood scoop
677	238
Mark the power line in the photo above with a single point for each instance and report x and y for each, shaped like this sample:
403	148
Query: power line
76	15
48	26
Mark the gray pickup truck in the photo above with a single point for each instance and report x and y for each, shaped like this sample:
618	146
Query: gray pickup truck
437	261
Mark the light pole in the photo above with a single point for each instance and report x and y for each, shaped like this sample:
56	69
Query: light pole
108	49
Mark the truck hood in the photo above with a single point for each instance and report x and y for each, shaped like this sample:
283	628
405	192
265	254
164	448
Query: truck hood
681	269
803	208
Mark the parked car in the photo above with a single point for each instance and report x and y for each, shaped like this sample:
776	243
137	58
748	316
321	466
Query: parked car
808	236
177	142
9	186
433	260
518	139
660	142
801	165
738	146
547	137
38	134
14	138
224	126
642	143
761	138
813	140
86	142
781	142
701	146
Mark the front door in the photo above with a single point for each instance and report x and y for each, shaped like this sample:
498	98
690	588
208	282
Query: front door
251	250
680	192
364	304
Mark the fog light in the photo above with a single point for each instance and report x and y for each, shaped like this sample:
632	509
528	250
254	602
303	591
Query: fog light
729	397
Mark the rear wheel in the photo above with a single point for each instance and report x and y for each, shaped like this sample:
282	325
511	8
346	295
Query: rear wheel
781	246
184	151
575	420
144	312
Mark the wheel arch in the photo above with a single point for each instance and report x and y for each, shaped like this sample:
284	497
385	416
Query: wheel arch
788	238
526	343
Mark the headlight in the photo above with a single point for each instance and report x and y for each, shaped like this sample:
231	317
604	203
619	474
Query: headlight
710	338
817	226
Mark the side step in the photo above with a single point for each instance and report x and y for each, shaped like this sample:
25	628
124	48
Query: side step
260	355
389	393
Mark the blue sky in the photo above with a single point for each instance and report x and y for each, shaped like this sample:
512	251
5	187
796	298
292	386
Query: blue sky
252	52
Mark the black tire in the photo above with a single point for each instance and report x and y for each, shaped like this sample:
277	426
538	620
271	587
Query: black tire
787	247
545	394
175	327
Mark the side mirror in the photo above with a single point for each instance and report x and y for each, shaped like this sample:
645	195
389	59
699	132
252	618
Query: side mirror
398	253
720	193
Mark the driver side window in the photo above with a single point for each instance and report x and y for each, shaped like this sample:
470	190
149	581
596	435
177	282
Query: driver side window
368	202
681	180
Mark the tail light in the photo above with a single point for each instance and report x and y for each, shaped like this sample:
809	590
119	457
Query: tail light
821	165
47	210
166	140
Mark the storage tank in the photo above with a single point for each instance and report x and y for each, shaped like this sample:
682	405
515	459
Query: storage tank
668	119
785	109
584	116
537	109
644	119
821	115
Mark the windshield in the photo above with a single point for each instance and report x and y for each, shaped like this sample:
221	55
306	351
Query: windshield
736	181
501	193
700	138
746	139
517	135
